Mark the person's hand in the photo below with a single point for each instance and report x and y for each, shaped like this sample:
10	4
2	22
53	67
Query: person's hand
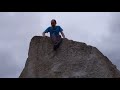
43	34
45	37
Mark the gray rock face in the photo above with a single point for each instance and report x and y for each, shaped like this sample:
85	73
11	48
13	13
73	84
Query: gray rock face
71	60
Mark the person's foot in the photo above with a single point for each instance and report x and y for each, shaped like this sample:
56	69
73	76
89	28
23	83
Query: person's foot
54	47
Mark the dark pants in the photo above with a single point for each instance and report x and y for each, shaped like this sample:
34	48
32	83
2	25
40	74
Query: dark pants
56	41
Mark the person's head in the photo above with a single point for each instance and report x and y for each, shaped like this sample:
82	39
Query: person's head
53	22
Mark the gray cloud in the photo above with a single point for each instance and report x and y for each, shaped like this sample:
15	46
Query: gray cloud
111	43
16	31
8	66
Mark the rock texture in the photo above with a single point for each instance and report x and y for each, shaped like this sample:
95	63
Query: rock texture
72	60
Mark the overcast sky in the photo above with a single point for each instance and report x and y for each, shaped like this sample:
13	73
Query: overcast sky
99	29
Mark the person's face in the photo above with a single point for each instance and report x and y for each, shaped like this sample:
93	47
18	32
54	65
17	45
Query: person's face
53	23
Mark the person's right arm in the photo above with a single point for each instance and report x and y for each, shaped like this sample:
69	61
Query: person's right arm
46	31
43	34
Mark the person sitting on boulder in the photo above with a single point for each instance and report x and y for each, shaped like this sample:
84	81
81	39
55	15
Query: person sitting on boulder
54	33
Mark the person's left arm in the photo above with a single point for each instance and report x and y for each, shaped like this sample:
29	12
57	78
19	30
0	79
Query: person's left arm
62	34
61	31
